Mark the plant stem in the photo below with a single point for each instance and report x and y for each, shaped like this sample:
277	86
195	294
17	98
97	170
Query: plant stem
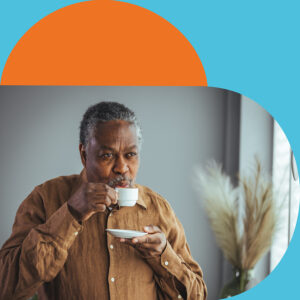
243	280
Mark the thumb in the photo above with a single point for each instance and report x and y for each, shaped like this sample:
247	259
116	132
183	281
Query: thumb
151	229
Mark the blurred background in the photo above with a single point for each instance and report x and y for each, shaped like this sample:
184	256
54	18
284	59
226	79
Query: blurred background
183	127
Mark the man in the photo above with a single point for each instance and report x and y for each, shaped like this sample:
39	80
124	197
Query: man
59	246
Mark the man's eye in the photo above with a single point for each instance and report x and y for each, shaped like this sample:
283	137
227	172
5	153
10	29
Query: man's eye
131	154
106	155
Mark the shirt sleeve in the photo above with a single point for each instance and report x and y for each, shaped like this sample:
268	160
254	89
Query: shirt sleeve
177	274
37	248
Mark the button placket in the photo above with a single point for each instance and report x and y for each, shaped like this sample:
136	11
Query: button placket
110	223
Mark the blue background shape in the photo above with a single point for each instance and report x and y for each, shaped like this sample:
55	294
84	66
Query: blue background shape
250	47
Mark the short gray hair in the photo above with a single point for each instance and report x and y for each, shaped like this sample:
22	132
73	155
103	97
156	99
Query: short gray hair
104	112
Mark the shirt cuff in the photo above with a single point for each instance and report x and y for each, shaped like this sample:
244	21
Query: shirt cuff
63	227
168	264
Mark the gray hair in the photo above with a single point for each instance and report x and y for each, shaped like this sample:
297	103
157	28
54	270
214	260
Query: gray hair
104	112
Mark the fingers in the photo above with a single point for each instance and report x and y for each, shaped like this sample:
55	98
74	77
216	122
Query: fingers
151	244
138	245
144	249
102	193
147	239
152	229
99	207
91	198
112	194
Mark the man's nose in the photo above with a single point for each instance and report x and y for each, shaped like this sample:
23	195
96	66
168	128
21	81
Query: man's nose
120	166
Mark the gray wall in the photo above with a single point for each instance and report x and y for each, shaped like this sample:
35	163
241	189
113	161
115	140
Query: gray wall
182	127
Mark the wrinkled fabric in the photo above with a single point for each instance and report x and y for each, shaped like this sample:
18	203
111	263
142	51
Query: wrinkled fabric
49	252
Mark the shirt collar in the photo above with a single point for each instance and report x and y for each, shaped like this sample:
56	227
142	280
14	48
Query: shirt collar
141	201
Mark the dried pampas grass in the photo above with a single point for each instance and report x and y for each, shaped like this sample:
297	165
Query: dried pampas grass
244	218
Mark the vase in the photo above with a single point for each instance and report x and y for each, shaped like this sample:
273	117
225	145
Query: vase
238	283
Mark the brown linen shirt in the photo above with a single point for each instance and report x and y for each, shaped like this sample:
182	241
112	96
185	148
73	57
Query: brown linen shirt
50	252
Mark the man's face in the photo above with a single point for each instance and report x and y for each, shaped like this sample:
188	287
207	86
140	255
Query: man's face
111	156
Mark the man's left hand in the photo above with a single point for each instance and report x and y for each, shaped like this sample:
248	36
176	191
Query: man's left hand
151	244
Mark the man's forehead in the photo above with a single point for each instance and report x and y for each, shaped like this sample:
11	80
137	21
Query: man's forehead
114	125
111	132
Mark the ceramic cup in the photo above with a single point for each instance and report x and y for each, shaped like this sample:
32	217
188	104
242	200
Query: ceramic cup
127	196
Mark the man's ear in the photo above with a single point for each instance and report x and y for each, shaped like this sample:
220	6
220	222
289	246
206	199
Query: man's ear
82	152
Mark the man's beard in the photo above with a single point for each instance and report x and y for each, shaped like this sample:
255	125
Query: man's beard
120	179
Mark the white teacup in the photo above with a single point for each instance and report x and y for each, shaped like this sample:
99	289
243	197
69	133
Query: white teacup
127	196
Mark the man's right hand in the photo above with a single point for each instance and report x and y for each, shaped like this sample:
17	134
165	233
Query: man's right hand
91	198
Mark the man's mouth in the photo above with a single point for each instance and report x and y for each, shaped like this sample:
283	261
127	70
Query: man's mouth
122	184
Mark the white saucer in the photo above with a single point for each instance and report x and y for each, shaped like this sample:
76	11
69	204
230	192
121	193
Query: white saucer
125	234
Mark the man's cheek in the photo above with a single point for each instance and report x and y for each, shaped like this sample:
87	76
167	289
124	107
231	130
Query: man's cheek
103	174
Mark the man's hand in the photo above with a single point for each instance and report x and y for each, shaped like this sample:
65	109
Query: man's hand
91	198
151	244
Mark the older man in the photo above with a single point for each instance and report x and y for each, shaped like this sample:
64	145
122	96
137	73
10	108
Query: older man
59	246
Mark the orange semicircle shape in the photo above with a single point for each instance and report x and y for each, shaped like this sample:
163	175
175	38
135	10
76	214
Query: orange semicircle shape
103	43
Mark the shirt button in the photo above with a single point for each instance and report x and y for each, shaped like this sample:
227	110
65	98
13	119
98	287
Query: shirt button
76	233
111	214
111	246
166	263
179	297
112	279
